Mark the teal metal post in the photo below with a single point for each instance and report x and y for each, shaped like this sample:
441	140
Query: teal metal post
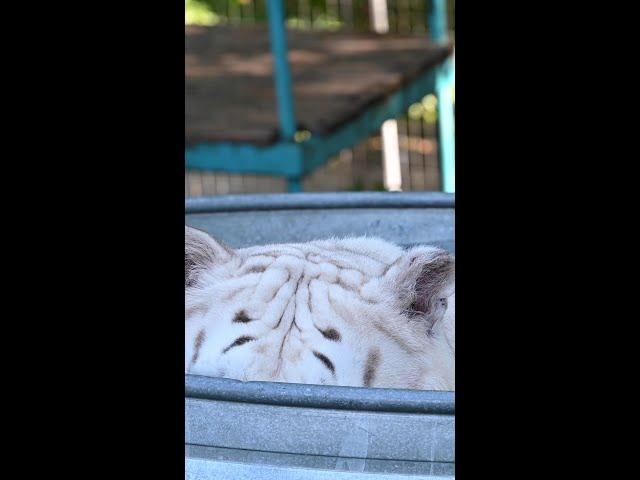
282	77
446	124
281	71
438	21
444	83
294	184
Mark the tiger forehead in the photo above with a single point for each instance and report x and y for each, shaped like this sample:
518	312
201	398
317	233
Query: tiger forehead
309	268
318	259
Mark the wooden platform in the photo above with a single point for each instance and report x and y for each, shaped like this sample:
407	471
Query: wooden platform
229	94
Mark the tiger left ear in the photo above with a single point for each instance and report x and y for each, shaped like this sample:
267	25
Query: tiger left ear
425	278
201	251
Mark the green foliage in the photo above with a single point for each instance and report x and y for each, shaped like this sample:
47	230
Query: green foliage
305	14
302	136
199	12
321	22
427	109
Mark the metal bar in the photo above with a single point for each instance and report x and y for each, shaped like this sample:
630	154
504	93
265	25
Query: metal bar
320	396
304	201
446	124
318	149
282	158
437	21
281	71
438	31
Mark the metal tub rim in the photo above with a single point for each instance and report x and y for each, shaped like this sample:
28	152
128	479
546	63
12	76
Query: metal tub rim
324	200
277	417
321	396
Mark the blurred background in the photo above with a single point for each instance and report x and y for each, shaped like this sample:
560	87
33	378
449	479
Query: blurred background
354	169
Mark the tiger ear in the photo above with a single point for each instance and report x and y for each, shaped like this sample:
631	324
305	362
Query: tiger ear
201	251
425	278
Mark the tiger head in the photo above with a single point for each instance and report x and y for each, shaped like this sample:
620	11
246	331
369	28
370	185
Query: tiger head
354	311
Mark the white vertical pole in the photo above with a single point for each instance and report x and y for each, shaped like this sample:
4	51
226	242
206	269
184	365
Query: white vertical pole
391	156
389	130
379	16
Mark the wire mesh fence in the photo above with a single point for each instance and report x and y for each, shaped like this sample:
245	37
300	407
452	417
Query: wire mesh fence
358	168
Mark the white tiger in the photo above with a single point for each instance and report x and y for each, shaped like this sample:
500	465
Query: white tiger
355	311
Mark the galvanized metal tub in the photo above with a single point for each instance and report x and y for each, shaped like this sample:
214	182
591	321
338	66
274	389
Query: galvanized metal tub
287	431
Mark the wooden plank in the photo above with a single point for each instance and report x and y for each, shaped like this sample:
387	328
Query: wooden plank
229	93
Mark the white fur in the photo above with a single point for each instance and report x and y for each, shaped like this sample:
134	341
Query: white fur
291	292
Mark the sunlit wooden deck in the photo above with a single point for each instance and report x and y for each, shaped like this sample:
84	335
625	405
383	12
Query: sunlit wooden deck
229	92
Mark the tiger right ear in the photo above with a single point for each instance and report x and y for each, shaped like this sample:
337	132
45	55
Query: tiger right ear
424	279
201	251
